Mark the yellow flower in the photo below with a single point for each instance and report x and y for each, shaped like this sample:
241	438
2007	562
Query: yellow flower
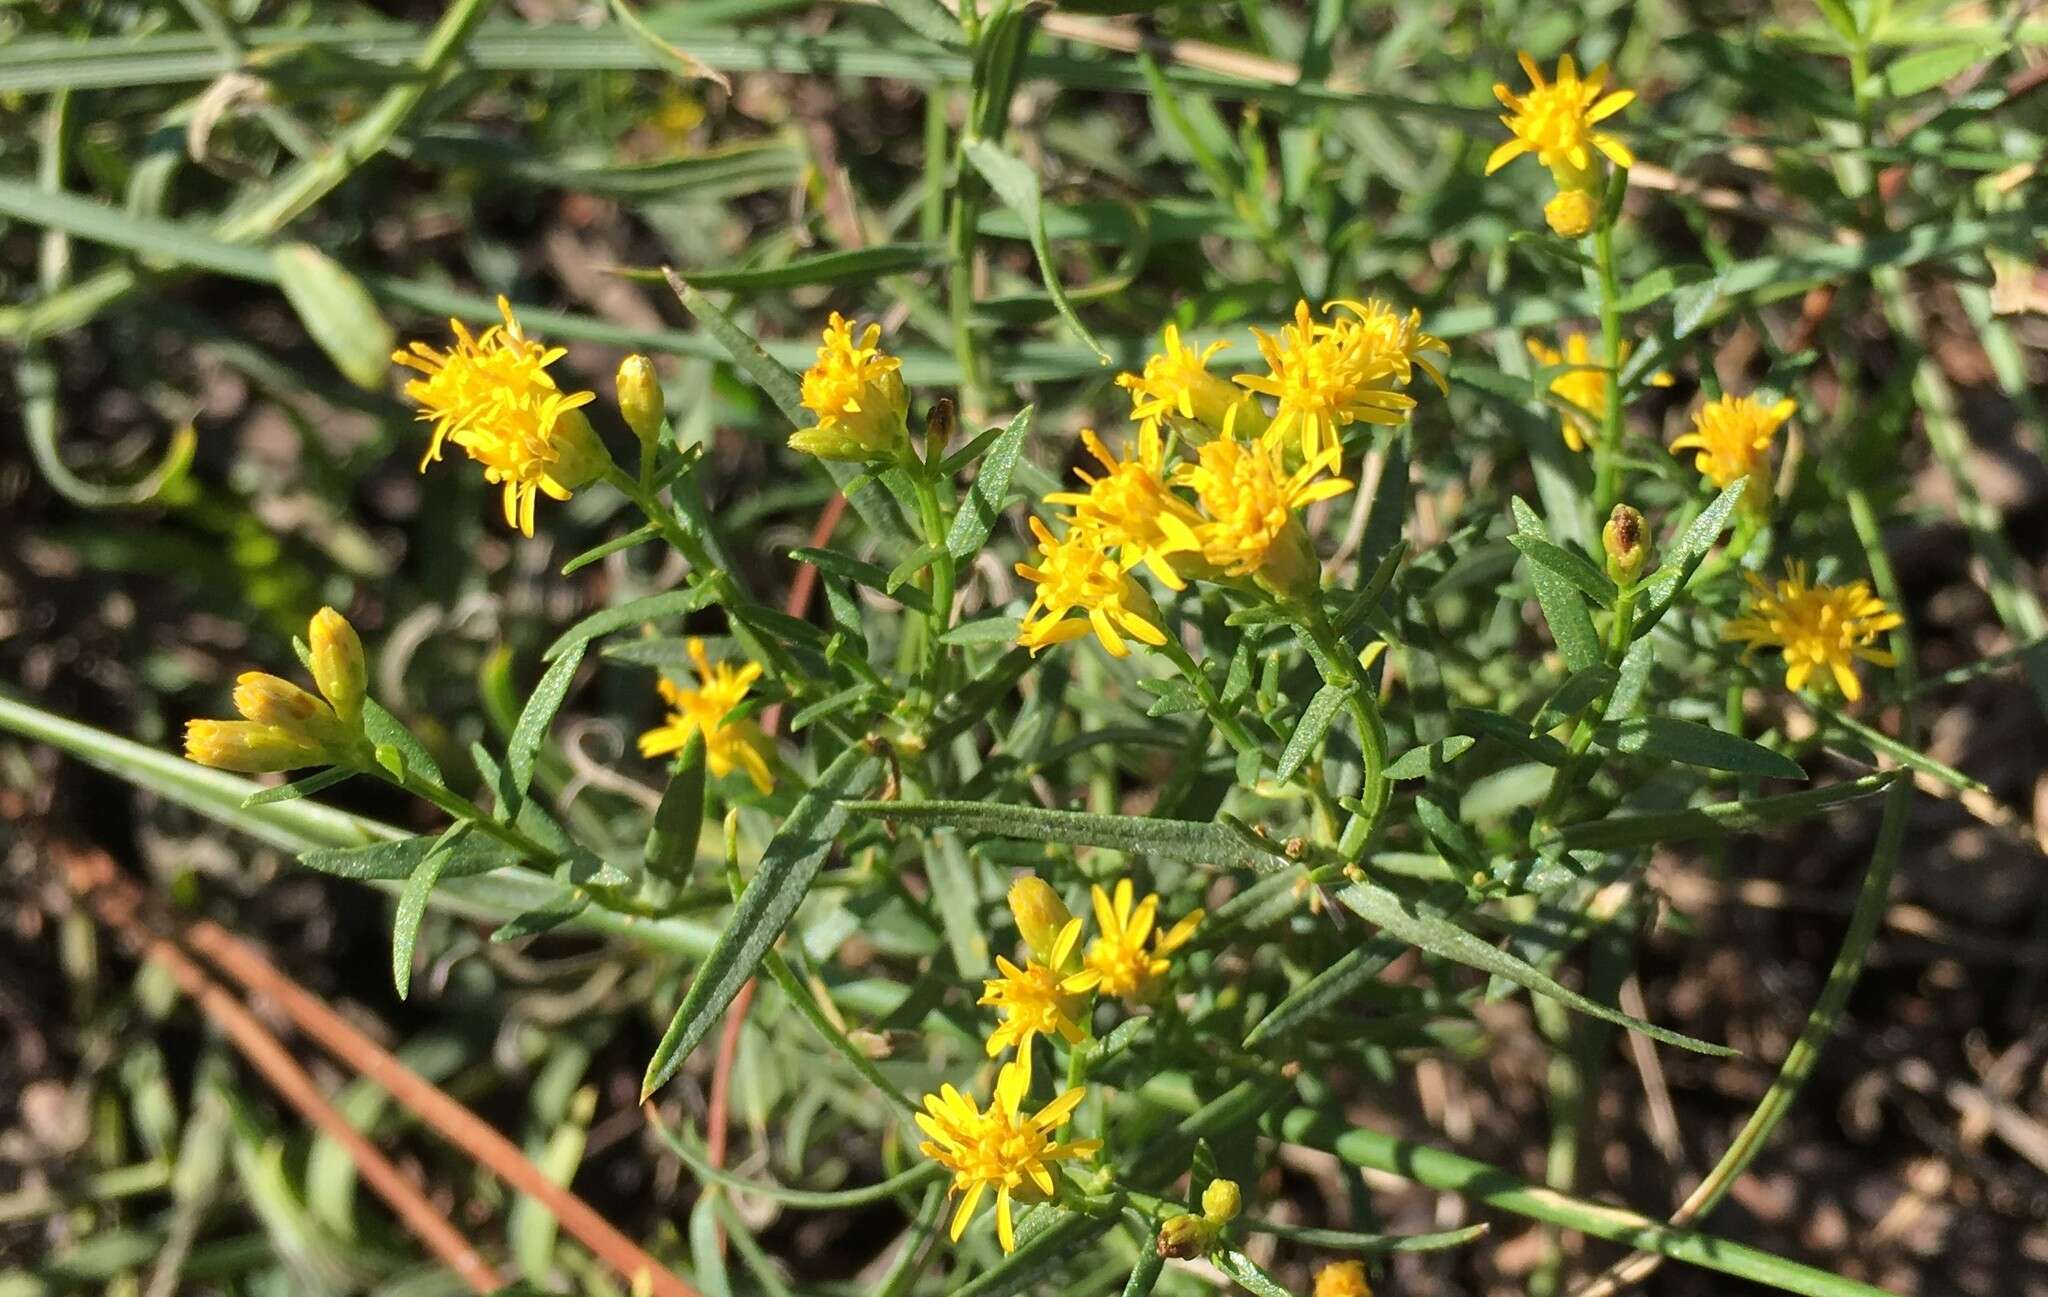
1571	213
1248	498
1129	509
491	394
1385	332
1076	574
283	727
856	391
1732	436
1815	626
1342	1279
1039	999
706	710
1177	387
1325	376
1129	959
1555	122
1000	1149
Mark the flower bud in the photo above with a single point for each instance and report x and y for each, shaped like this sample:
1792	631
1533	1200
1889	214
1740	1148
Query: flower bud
338	666
1185	1236
939	424
1342	1279
249	748
1220	1201
1040	915
282	705
640	399
1571	214
1626	540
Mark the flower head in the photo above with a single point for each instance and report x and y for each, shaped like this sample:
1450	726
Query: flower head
1248	500
856	391
729	743
1177	387
1075	573
1129	509
1001	1148
491	394
1732	438
1042	917
283	727
1815	626
1342	1279
1571	212
1039	999
1326	375
1130	958
1555	121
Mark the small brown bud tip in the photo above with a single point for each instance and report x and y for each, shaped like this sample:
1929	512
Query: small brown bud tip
1184	1236
939	423
1294	848
1624	540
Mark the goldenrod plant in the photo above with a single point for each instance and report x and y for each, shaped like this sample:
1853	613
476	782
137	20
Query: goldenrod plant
1130	680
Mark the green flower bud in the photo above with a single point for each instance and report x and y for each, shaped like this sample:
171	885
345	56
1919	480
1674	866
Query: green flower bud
640	399
1626	540
1186	1235
1220	1201
338	666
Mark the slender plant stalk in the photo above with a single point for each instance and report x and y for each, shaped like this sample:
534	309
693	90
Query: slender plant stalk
1607	454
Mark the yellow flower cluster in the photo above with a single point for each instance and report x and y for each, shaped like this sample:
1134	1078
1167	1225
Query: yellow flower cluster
729	743
1816	627
1002	1148
1226	509
283	727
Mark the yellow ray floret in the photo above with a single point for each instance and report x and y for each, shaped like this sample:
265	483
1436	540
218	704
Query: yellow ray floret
1130	958
1325	375
1176	387
1556	122
1075	573
729	743
1001	1148
1815	626
1249	499
491	394
1732	437
1129	509
855	389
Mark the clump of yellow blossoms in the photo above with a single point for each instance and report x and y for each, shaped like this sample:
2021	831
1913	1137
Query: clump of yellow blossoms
855	389
491	394
1557	121
1325	375
1075	573
1176	387
729	743
1001	1148
283	727
1815	627
1342	1279
1732	439
1130	958
1130	510
1249	499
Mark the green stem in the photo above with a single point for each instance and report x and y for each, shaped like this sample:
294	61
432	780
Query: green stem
1233	729
1338	665
461	808
1607	453
933	519
963	212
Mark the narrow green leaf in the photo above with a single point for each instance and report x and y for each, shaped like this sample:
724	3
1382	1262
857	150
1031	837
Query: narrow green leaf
1328	988
669	603
1589	580
400	859
1514	733
523	749
1695	745
853	264
792	859
386	731
1309	730
1417	763
1923	70
554	914
412	906
1579	691
928	18
671	849
1145	1272
1683	557
1718	819
977	515
1427	928
639	535
338	312
298	788
959	904
1571	626
915	561
1016	184
861	572
983	631
1248	1274
1188	840
1040	1253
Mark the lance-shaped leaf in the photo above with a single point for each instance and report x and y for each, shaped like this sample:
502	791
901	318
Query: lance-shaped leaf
1189	840
669	603
523	749
1695	745
788	866
1682	559
984	503
1016	184
1564	609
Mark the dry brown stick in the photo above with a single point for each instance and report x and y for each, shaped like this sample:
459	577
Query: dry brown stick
452	1121
119	904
